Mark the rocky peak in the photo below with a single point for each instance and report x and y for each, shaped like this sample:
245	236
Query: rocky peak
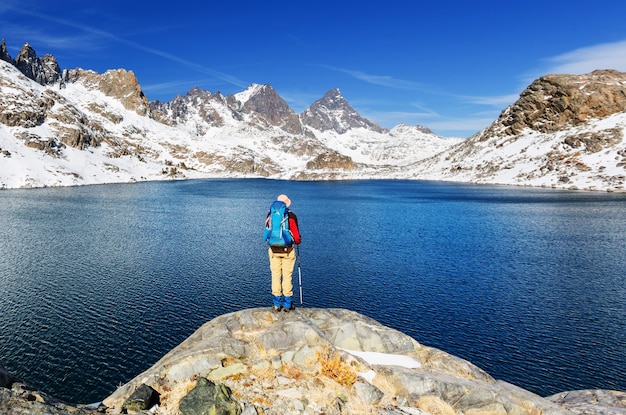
333	112
206	104
263	101
198	96
554	102
44	71
119	83
260	105
4	54
26	58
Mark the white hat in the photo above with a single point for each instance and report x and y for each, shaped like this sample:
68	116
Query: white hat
284	198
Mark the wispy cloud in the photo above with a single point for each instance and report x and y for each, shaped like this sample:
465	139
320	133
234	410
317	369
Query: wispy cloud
444	125
192	65
382	80
588	59
38	37
104	35
500	101
424	111
10	5
391	118
461	126
173	86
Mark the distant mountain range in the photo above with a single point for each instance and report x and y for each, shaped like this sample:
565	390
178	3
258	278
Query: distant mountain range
62	127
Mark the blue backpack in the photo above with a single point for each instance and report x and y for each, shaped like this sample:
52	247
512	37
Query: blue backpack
277	226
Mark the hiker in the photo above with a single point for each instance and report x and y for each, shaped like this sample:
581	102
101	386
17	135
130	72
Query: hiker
281	233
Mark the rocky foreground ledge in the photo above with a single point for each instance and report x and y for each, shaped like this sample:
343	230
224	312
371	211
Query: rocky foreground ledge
312	361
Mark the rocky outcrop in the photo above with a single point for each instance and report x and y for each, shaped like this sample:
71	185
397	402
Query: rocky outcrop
17	398
30	113
44	71
592	402
119	83
595	141
4	53
331	160
24	400
330	361
333	113
554	101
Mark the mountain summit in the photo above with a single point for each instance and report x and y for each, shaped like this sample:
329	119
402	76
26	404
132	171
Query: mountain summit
334	113
262	104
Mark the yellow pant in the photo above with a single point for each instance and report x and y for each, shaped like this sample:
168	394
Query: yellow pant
281	266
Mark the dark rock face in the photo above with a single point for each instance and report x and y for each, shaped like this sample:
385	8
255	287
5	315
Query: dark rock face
268	105
208	398
4	54
45	71
142	399
31	114
594	142
6	380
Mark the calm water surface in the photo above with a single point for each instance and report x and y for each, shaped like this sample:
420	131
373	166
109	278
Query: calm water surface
98	282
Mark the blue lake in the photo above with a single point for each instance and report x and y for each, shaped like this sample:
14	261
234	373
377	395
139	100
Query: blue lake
98	282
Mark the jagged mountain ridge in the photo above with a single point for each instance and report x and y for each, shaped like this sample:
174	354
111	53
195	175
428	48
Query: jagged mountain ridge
65	127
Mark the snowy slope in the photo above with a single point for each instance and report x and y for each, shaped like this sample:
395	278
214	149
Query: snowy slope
536	159
403	145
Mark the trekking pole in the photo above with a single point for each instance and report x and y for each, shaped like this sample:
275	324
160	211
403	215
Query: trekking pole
299	273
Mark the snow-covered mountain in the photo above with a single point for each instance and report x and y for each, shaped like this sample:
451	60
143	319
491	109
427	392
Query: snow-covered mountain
72	127
565	131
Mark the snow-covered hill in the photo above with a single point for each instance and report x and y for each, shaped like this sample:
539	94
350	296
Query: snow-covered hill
79	127
565	131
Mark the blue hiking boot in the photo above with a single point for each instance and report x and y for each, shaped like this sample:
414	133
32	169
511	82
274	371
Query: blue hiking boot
278	303
288	305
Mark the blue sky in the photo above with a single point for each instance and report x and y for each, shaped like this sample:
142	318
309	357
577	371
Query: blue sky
451	66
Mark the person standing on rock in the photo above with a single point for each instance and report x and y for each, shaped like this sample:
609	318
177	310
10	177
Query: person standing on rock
282	233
